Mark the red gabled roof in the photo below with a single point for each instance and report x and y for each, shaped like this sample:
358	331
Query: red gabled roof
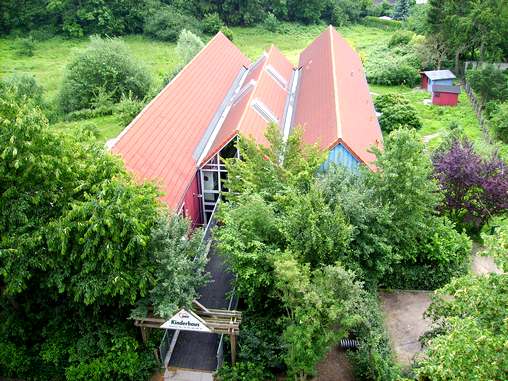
243	118
159	143
334	105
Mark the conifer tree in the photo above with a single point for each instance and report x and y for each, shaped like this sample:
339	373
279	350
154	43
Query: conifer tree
402	10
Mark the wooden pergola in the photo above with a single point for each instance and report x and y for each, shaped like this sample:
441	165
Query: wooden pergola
222	322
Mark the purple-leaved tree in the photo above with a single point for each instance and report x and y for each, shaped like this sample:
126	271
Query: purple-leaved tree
475	188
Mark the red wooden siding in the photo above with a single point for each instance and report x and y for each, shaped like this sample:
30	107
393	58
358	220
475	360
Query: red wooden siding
191	203
445	99
425	81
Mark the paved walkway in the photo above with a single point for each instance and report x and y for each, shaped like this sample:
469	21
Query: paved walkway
403	311
483	265
187	375
404	320
195	350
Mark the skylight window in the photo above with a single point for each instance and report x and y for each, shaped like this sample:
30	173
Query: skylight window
263	111
243	91
277	76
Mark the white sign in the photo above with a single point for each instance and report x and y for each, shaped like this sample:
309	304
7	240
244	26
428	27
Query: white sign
186	321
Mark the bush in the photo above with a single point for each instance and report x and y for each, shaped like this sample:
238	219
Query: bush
396	112
388	68
212	23
400	37
490	108
24	87
271	23
499	122
227	32
243	371
376	22
188	46
105	67
128	108
43	34
443	255
26	46
373	360
166	22
474	187
489	83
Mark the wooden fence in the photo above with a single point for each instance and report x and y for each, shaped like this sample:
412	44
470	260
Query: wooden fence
477	107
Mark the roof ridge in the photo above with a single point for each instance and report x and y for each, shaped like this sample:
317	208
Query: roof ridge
335	90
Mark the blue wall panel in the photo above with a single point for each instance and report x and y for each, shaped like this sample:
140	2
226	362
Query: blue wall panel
439	82
341	156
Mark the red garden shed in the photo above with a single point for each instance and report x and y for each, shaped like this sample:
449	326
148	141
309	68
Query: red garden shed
445	95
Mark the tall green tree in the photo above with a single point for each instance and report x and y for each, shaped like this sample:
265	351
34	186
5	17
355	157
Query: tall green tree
80	244
321	309
402	10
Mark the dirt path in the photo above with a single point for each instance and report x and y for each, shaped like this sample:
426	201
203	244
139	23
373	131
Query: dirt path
335	367
404	321
483	265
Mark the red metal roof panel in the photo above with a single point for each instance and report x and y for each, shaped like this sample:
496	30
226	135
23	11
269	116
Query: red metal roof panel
333	103
159	143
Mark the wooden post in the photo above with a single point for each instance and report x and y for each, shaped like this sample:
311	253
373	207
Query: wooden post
233	348
144	334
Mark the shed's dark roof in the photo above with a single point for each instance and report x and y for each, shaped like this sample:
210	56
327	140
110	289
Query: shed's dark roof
436	75
446	89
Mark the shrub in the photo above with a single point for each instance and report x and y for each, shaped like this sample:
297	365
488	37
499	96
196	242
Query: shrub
396	112
26	46
468	339
443	254
387	68
188	46
212	23
128	108
271	23
105	67
376	22
490	108
373	360
166	22
227	32
475	188
400	37
489	83
499	122
243	371
24	87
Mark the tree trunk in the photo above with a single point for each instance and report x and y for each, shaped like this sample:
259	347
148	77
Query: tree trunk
457	62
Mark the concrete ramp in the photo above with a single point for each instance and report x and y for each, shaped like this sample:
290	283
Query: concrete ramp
186	375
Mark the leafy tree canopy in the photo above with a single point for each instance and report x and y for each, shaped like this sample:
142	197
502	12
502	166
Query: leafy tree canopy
80	244
103	72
